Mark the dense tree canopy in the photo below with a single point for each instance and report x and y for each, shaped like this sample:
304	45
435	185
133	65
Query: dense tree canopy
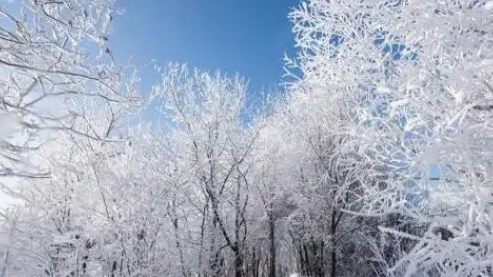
375	162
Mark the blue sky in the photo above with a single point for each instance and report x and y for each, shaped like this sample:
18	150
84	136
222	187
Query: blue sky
248	37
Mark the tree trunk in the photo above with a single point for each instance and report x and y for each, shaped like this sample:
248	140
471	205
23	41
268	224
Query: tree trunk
333	258
178	246
272	268
322	258
238	264
333	263
238	247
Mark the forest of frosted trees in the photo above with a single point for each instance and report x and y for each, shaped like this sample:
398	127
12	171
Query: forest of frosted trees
376	161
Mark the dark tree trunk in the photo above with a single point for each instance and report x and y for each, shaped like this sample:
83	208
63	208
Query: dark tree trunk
321	260
333	254
272	266
308	265
238	264
333	269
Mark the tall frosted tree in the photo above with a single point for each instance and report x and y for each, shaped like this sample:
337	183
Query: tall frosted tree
58	82
56	67
206	135
415	77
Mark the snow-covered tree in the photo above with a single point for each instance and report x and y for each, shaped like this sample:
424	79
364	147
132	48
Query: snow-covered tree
206	135
415	78
59	83
54	58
